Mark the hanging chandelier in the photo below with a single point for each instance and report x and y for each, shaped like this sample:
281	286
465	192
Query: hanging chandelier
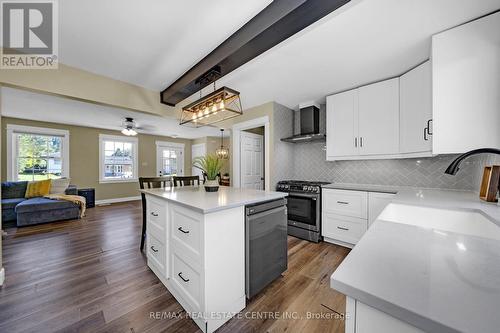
221	104
222	152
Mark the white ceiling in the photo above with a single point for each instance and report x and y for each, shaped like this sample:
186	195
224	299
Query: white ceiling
150	42
33	106
367	41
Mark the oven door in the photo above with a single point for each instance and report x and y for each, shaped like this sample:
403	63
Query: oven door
303	210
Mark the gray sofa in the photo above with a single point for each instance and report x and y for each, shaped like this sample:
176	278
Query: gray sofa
15	207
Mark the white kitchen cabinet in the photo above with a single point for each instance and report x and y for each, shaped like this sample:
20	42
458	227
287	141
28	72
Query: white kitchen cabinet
415	100
466	86
363	122
376	204
366	319
379	118
202	270
347	214
342	124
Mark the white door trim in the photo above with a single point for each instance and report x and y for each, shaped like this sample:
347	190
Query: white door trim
236	134
174	145
193	147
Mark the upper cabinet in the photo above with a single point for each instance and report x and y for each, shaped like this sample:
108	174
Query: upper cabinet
363	123
342	124
415	111
379	118
466	86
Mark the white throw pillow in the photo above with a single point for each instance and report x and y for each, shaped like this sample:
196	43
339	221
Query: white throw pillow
58	186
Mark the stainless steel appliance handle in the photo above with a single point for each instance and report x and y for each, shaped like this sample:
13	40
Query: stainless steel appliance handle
303	195
267	212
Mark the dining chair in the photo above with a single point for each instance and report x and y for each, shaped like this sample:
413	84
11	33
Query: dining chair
186	180
148	183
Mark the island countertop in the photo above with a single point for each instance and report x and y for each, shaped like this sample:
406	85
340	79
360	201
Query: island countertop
197	198
437	280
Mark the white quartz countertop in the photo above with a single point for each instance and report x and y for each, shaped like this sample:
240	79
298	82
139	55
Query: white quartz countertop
363	187
437	280
207	202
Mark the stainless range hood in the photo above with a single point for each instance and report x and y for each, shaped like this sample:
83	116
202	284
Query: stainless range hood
309	125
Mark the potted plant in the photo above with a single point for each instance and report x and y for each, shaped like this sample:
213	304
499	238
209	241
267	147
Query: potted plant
211	167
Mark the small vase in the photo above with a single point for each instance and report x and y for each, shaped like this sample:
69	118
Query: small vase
211	186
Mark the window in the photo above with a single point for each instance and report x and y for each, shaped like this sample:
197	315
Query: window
118	159
35	153
170	158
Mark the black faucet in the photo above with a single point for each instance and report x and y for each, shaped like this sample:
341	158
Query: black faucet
454	166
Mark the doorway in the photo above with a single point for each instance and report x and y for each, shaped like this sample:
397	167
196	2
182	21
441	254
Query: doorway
250	153
252	158
169	159
198	150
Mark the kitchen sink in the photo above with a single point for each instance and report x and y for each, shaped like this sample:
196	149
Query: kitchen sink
457	221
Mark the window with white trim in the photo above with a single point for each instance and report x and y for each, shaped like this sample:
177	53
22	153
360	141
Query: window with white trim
117	158
37	153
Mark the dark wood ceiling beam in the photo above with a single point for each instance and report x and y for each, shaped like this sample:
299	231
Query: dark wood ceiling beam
278	21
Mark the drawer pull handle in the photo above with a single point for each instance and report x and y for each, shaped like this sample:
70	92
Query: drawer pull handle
154	214
343	202
183	231
342	228
183	279
153	249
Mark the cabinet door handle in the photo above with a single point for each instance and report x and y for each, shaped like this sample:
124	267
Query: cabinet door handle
343	202
183	279
183	231
342	228
425	134
153	249
154	214
356	142
361	141
429	126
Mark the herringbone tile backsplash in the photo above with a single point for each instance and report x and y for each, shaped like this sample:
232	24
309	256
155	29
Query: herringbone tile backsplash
309	163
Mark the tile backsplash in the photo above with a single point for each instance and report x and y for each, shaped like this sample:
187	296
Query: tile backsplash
309	163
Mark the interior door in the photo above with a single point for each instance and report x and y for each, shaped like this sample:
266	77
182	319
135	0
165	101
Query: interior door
169	161
198	150
342	124
415	99
252	161
379	118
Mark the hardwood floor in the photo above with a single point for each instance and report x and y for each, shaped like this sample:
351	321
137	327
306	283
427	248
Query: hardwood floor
89	276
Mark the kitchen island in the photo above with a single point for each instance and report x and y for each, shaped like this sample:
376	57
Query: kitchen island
429	263
196	247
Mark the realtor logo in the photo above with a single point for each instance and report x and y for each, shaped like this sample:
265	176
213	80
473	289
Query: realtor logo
29	34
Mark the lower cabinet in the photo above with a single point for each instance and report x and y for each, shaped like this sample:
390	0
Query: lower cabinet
346	214
200	258
362	318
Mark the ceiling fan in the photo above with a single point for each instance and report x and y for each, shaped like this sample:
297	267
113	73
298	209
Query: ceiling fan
129	127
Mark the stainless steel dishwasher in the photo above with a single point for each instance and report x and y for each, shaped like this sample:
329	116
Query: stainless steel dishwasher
266	244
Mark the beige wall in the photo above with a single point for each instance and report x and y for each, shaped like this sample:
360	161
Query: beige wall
84	157
82	85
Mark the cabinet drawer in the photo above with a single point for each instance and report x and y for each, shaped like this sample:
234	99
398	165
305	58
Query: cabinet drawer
185	232
347	203
186	280
343	228
156	253
156	211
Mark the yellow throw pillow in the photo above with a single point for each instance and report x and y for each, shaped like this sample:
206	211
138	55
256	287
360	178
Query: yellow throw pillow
38	188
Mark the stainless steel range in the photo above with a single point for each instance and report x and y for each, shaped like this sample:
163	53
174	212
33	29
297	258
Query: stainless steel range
304	208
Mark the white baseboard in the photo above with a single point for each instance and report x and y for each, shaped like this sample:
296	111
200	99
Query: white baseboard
116	200
2	276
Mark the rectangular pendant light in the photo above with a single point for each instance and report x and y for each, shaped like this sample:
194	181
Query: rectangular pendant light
222	104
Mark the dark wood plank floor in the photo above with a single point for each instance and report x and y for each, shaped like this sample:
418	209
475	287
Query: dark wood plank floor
89	276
